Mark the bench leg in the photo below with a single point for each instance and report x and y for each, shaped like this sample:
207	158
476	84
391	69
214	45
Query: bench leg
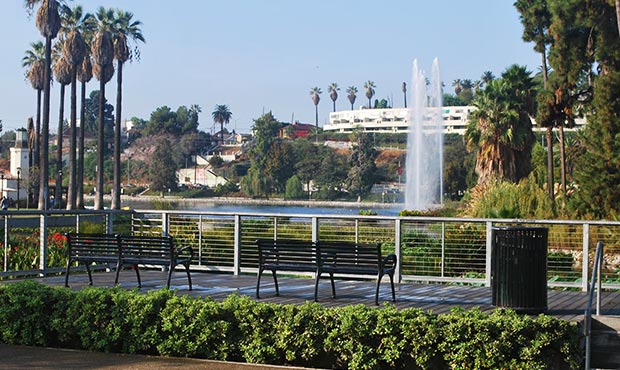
118	271
377	291
67	274
138	275
331	277
189	277
260	272
90	275
316	286
392	285
275	280
170	269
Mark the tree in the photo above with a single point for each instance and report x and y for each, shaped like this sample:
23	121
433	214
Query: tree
457	86
62	71
34	60
222	115
501	130
280	164
333	92
102	50
536	20
73	22
162	168
487	77
370	91
315	95
125	30
331	174
294	189
351	95
84	75
362	171
48	23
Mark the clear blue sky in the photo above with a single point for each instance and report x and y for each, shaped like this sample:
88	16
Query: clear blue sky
259	56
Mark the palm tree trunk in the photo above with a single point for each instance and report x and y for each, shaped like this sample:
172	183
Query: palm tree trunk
550	182
351	106
79	202
562	160
221	132
100	147
72	142
618	15
316	116
45	126
61	118
116	196
334	105
37	138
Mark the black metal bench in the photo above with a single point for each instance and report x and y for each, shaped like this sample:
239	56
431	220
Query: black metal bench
345	258
155	250
125	250
93	248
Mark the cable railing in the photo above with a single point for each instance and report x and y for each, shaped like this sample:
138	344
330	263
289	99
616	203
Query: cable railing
429	249
595	283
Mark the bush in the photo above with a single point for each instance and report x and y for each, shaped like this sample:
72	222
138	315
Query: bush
241	329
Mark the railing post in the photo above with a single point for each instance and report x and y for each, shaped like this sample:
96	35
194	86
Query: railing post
586	257
237	246
315	229
443	249
489	239
110	222
165	223
275	228
357	230
200	240
43	242
397	250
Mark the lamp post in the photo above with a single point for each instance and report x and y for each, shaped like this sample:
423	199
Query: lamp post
58	198
1	183
19	172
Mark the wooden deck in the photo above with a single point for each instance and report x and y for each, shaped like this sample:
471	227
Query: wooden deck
567	305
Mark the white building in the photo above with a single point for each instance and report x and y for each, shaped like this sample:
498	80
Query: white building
396	120
200	175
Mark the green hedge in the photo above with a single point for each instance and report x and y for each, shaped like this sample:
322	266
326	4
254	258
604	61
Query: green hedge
241	329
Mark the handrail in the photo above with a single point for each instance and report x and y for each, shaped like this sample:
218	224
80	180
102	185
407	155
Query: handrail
596	280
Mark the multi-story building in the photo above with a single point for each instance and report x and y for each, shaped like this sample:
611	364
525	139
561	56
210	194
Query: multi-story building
396	120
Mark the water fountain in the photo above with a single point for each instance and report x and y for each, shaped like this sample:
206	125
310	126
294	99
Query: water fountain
424	166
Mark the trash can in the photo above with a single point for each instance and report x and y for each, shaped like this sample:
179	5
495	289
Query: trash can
519	268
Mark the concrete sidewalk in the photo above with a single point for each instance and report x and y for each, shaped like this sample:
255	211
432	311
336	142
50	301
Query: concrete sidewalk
33	358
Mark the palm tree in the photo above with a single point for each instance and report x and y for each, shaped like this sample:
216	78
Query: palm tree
351	91
48	23
125	30
487	77
34	60
102	50
457	86
73	21
221	115
370	91
404	88
84	75
333	92
315	95
62	71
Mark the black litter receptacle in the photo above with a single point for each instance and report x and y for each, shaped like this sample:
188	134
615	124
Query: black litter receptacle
519	268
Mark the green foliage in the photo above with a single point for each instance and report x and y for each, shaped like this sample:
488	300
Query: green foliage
226	189
361	175
294	189
165	120
24	249
310	335
162	169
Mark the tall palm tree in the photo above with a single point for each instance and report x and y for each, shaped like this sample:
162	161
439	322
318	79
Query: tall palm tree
34	60
315	95
62	71
222	115
487	77
351	91
404	88
370	91
102	50
73	21
48	23
333	92
84	75
457	86
126	29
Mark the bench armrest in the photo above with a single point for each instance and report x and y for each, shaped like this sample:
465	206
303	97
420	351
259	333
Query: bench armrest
389	263
183	251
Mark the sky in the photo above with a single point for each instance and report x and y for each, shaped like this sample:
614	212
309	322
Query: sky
259	56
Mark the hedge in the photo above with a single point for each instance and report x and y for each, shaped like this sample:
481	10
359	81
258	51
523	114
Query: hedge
241	329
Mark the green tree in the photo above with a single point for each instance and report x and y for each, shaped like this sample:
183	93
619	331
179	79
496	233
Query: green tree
162	168
126	29
315	95
257	181
48	23
294	189
370	91
333	93
62	71
351	95
34	61
307	162
501	130
331	175
102	49
84	75
280	164
222	115
362	171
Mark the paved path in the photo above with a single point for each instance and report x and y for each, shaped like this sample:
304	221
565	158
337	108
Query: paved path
37	358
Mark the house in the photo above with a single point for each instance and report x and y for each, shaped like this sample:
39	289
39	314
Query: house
200	176
296	130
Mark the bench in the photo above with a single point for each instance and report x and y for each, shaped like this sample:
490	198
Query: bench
125	250
338	257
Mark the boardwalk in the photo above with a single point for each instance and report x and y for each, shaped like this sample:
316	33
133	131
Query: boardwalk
567	305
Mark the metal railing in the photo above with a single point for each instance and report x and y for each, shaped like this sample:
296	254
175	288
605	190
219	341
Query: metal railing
430	249
595	283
